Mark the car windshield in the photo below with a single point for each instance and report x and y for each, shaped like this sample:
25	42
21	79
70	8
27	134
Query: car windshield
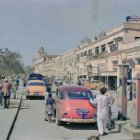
58	79
79	95
36	84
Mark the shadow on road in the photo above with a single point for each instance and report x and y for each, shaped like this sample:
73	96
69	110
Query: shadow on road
24	106
73	126
36	98
13	105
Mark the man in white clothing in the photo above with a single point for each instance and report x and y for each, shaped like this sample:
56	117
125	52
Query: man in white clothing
103	108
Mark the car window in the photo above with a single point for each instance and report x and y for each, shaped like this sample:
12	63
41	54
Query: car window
79	95
36	84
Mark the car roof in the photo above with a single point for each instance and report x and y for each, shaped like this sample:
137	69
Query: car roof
33	81
75	88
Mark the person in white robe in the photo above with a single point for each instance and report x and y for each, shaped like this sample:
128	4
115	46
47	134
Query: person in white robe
103	110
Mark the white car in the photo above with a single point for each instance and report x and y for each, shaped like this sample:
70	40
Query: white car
58	81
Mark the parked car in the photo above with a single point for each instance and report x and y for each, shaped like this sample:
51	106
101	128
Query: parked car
93	84
35	88
58	81
72	105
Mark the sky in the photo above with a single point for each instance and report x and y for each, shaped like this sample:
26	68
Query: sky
57	25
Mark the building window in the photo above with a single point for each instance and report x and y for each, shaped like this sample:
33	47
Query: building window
137	37
44	59
113	47
138	62
97	50
82	54
85	53
78	55
103	48
89	52
110	43
115	63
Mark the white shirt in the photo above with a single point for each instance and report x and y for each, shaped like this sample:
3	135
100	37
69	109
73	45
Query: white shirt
103	104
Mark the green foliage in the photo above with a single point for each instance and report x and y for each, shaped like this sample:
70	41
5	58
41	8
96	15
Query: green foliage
10	63
28	70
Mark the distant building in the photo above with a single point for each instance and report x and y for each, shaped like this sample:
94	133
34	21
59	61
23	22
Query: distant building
44	63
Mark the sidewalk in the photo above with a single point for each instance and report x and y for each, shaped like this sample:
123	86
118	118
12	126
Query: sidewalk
114	134
7	117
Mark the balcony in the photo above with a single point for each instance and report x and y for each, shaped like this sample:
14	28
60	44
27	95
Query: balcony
103	54
92	56
115	69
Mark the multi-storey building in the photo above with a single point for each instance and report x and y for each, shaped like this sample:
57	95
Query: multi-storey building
100	57
67	65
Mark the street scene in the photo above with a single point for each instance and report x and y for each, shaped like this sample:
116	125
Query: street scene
70	70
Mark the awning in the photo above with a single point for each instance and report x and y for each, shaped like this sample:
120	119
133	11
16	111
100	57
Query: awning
108	73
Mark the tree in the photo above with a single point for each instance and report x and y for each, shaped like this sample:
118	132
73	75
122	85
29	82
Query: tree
10	63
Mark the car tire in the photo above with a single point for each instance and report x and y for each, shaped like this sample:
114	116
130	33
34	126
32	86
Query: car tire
27	97
58	122
49	118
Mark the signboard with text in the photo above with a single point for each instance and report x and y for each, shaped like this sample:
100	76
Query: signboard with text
133	18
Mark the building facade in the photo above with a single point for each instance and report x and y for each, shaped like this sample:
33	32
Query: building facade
45	64
99	57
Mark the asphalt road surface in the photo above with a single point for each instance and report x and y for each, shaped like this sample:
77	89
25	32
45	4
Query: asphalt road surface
30	125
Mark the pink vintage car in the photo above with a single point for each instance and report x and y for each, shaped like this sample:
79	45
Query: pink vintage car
72	105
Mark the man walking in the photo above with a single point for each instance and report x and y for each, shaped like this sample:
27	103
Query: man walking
6	90
103	108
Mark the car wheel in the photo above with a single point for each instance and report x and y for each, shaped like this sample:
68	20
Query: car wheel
49	118
58	122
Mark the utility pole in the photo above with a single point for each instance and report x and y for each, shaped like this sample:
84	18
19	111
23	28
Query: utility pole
123	76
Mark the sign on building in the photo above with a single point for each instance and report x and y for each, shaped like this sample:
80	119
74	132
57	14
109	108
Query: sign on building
133	18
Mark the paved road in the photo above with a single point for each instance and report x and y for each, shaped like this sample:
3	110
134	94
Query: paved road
30	125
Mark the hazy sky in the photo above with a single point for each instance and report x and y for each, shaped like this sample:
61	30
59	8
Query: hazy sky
57	25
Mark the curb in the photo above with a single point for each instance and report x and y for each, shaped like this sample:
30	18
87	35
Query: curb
15	118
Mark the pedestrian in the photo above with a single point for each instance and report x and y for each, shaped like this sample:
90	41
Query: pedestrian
6	90
14	88
103	107
79	83
49	104
17	87
1	95
17	83
129	90
110	124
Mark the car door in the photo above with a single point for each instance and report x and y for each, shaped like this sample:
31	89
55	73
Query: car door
59	104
